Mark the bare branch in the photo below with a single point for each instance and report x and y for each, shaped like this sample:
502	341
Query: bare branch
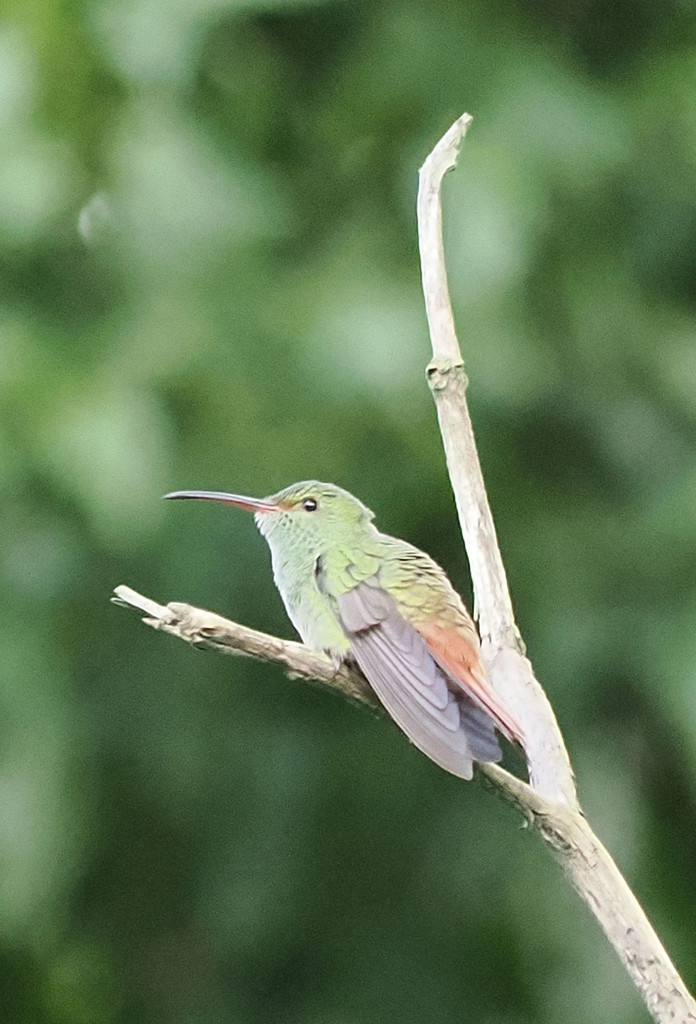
552	803
208	630
213	632
503	651
584	859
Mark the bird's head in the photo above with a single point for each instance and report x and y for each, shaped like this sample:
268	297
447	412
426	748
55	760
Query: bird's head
309	513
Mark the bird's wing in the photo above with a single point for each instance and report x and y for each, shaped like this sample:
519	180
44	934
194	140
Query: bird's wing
439	719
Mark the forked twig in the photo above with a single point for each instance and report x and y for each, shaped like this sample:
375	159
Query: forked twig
549	801
554	810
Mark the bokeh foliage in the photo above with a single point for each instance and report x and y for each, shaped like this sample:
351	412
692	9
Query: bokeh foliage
209	278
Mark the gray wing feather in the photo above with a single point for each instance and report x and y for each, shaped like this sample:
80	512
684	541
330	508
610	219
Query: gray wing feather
363	606
394	657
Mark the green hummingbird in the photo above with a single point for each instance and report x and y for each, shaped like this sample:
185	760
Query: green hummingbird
361	595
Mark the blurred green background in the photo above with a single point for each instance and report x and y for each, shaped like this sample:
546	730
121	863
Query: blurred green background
209	279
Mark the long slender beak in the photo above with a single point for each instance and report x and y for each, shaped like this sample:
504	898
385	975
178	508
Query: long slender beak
240	500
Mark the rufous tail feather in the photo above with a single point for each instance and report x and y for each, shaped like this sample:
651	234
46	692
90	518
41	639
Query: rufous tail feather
462	663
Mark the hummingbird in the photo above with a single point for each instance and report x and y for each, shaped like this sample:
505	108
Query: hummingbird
363	596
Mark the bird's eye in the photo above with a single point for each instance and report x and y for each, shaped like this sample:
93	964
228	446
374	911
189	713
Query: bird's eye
309	504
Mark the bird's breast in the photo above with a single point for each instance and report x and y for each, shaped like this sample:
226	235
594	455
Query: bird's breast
309	609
